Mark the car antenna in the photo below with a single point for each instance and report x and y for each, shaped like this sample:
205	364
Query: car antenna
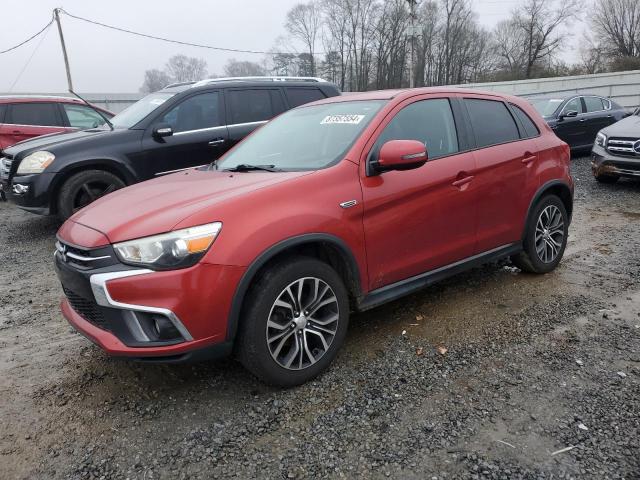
104	117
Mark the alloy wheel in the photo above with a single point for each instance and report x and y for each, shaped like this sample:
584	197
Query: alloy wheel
91	191
549	234
302	323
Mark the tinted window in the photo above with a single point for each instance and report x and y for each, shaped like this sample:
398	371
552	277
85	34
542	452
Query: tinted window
3	108
594	104
492	123
530	129
34	114
194	113
546	106
573	105
428	121
247	106
300	96
82	117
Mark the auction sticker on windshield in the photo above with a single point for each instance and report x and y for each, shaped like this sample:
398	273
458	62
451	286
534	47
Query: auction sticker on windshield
351	119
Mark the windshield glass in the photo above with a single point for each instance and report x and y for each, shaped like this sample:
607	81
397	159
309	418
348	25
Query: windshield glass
546	106
136	112
306	138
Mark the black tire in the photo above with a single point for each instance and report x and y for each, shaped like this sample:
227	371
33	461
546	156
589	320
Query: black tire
253	349
529	260
606	178
81	189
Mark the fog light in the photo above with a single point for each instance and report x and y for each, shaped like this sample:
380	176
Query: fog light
20	189
164	328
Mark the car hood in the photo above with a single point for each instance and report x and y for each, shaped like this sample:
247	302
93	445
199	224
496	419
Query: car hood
158	205
627	127
55	140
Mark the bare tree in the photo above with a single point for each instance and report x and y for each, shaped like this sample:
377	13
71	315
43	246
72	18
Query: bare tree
185	69
617	26
154	80
303	24
236	68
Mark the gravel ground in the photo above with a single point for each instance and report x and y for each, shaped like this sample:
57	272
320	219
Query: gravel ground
491	374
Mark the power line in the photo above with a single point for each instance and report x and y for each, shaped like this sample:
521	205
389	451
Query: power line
179	42
28	39
30	57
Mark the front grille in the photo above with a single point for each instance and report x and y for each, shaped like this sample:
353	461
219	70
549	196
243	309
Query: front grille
84	258
5	168
623	146
87	309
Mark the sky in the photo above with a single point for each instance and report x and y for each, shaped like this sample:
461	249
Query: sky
107	61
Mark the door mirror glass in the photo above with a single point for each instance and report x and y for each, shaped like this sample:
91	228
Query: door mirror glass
401	155
162	130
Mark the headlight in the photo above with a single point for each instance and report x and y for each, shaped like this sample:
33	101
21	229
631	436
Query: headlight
601	139
179	249
35	163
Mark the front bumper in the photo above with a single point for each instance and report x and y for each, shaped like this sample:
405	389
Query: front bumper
117	306
35	197
604	162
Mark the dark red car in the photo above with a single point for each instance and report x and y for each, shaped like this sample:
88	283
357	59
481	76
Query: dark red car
330	208
23	117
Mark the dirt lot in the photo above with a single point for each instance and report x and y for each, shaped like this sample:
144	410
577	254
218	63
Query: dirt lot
534	364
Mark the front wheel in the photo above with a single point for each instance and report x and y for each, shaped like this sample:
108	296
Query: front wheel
546	237
294	323
81	189
606	178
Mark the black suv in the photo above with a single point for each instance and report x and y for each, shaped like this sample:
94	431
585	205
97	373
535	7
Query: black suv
182	126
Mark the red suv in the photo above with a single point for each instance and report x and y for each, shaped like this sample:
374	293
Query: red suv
333	207
23	117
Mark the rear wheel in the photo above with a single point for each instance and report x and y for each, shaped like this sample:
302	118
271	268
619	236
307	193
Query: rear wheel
294	323
81	189
545	238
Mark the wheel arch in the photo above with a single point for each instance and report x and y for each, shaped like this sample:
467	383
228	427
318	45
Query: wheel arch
325	247
108	165
556	187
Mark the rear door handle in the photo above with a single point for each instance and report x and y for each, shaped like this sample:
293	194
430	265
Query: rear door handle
218	141
528	157
462	181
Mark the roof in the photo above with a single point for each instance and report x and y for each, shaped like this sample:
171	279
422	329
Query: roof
37	98
222	83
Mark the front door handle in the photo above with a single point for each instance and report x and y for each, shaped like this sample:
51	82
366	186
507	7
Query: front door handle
528	157
462	181
583	120
216	142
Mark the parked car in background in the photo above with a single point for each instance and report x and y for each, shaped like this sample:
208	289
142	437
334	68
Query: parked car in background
24	117
182	126
340	205
616	152
576	119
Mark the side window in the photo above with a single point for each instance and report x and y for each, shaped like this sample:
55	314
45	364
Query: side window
194	113
428	121
573	105
594	104
44	114
606	103
300	96
3	109
530	129
491	121
245	106
82	117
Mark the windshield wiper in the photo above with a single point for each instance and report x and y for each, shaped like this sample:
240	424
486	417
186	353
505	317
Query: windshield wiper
244	167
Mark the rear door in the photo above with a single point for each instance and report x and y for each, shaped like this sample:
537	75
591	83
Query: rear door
199	135
418	220
32	119
505	161
596	116
4	128
249	108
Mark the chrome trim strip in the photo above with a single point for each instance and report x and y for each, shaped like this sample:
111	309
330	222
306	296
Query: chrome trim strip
179	170
101	293
86	259
200	130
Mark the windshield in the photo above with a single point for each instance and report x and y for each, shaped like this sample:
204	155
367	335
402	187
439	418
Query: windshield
136	112
546	106
307	138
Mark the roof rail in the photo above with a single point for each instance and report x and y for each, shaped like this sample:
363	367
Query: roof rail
258	79
179	84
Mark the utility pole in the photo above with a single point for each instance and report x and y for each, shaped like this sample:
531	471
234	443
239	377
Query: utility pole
412	18
56	14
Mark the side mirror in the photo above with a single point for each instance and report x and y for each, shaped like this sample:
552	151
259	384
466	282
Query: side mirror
162	130
401	155
569	114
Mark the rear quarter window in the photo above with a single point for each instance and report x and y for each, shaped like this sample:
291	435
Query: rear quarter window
300	96
530	128
491	122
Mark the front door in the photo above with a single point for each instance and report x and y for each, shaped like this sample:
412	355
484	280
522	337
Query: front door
572	130
421	219
199	135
